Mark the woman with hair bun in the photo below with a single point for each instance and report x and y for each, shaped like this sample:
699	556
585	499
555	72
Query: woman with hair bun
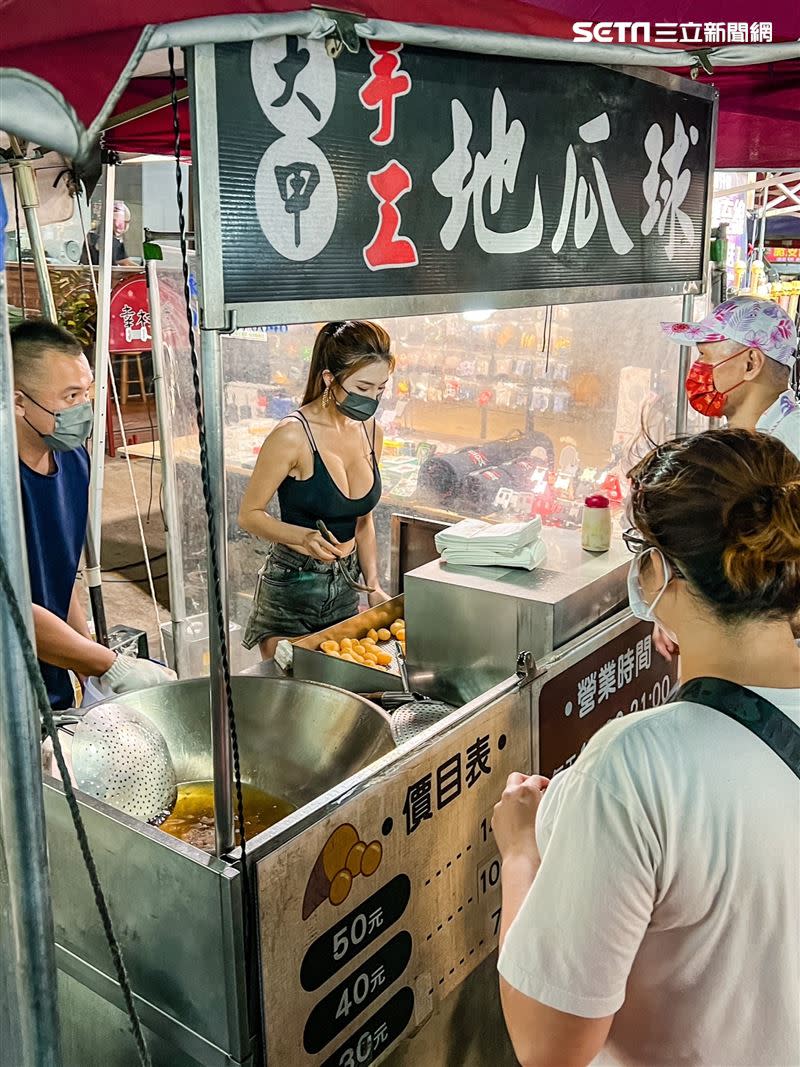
651	892
322	461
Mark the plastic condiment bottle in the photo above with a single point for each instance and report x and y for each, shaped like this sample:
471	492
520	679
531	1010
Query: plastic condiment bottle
596	524
756	273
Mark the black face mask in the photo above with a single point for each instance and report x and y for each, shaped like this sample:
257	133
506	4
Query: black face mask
357	407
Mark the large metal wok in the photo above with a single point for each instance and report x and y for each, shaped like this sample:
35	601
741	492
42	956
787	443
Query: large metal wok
296	739
176	909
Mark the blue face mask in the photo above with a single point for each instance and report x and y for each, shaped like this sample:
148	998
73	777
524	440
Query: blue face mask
638	605
72	426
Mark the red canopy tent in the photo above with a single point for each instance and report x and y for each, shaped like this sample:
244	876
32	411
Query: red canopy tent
84	52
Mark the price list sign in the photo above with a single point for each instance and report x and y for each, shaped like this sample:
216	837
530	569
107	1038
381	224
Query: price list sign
377	912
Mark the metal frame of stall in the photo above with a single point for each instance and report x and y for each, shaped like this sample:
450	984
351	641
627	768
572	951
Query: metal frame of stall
22	827
20	734
218	318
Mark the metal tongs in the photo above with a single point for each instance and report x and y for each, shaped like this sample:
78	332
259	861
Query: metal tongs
394	699
337	563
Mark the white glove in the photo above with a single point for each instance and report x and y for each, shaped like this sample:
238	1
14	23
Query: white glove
128	674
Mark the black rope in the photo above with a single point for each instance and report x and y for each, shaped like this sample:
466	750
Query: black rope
19	242
213	553
34	674
547	333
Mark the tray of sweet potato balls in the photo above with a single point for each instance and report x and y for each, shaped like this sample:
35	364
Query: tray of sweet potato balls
359	654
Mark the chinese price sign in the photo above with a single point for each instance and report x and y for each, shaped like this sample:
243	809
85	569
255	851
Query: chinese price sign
627	674
374	914
129	330
403	171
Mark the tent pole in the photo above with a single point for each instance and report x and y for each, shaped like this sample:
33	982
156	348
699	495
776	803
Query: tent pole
684	359
787	176
763	229
29	1030
213	404
144	109
102	359
213	413
101	371
177	590
29	195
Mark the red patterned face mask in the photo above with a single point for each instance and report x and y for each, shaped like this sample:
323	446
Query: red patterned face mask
701	390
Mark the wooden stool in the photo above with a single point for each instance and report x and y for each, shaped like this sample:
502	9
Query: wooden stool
125	377
124	393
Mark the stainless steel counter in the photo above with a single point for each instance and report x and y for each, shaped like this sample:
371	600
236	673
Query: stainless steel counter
485	615
421	816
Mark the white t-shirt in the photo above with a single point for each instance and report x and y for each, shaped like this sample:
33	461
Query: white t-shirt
669	892
782	420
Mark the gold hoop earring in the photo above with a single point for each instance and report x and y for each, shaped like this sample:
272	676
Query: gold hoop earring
326	397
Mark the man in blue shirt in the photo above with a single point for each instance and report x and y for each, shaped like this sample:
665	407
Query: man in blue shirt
52	379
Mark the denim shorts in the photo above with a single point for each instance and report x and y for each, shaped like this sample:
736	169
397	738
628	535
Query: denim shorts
298	595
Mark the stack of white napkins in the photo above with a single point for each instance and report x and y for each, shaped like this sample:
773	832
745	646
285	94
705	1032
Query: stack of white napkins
473	543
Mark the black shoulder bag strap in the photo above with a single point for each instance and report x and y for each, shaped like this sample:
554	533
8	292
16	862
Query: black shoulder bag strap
755	713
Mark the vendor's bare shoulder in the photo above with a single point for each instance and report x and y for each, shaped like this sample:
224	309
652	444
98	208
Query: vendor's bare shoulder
290	438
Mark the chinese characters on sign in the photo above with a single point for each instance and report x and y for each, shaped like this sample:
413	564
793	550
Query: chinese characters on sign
295	189
130	317
387	249
623	676
462	179
354	974
297	86
419	803
415	172
386	82
597	686
665	197
779	254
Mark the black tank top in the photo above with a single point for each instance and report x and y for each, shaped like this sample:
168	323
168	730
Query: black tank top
303	502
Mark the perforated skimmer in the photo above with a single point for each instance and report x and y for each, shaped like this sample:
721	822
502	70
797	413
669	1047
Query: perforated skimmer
416	716
120	756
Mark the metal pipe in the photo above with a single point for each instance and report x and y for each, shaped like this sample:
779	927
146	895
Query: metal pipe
29	1011
213	413
684	361
143	110
213	409
94	582
763	184
168	235
102	358
29	195
177	590
763	229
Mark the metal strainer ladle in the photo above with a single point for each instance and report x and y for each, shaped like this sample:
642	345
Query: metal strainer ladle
415	716
120	756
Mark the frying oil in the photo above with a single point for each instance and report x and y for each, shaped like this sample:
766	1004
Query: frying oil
192	818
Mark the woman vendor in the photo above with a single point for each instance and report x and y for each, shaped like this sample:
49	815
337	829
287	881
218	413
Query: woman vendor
322	461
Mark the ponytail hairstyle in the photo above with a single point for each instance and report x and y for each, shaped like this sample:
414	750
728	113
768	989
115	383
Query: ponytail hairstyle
725	506
343	348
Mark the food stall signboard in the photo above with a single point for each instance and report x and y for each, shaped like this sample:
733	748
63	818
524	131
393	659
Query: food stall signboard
625	675
373	915
129	324
406	180
786	253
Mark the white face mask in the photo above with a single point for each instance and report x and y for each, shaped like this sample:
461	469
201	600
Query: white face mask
638	605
